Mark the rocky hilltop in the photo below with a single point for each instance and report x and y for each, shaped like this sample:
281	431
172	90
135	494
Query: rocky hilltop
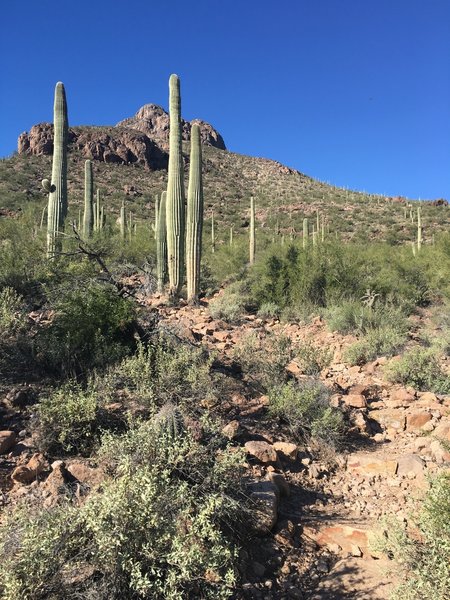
141	139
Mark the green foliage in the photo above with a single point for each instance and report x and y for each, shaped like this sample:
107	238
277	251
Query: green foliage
160	528
379	341
305	407
423	553
264	359
419	368
92	327
70	420
312	359
230	305
12	317
269	310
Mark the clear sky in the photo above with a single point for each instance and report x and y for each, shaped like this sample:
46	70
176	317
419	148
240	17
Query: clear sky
353	92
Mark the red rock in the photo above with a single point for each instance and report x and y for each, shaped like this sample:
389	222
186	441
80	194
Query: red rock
28	473
442	431
7	441
262	451
417	419
355	400
348	538
428	397
367	464
293	368
286	450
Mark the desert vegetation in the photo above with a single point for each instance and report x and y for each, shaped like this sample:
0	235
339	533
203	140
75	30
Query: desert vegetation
185	388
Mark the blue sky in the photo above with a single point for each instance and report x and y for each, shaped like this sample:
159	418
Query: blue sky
353	92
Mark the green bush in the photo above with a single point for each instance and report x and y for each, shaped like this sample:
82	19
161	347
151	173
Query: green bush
305	407
354	317
381	341
419	368
70	420
165	525
269	310
313	359
12	316
422	552
92	327
231	304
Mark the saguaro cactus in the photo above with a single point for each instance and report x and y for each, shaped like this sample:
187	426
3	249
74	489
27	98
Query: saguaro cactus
161	244
57	199
122	221
88	217
419	230
213	234
194	221
175	208
305	233
252	230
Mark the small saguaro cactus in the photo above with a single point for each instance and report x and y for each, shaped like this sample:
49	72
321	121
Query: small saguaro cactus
57	188
194	221
305	233
88	217
156	224
98	210
419	229
252	231
175	203
161	245
122	221
231	235
213	234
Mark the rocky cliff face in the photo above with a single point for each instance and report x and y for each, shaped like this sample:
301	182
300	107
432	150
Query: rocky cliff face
154	122
142	139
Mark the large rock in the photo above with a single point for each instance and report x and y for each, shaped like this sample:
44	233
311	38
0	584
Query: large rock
105	144
29	472
262	451
153	120
369	464
7	441
265	495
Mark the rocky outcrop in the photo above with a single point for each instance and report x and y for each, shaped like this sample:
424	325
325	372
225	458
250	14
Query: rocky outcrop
153	120
105	144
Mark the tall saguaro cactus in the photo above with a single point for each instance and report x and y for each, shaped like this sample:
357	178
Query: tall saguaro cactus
194	221
88	217
161	244
252	230
175	208
305	232
57	199
419	230
213	233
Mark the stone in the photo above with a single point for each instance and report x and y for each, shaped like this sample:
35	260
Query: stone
29	472
7	441
19	397
389	418
345	536
286	450
262	451
442	431
367	464
293	368
355	400
280	482
232	430
265	496
410	464
86	474
426	397
417	419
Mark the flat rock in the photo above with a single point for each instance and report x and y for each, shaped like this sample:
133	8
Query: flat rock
368	464
265	496
262	451
286	450
355	400
417	420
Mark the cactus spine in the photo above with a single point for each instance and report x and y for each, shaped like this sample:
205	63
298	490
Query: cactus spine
194	222
161	245
88	217
305	233
252	231
57	199
175	208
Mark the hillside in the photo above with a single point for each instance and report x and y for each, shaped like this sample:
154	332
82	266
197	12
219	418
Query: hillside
130	164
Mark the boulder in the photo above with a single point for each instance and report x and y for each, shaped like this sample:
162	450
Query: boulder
7	441
262	451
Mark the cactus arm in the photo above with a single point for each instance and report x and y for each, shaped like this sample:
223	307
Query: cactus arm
88	217
161	245
252	231
194	222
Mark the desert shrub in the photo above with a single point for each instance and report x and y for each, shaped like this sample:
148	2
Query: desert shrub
12	316
419	368
422	552
354	317
92	327
264	358
380	341
269	310
70	420
231	304
164	370
312	359
161	528
306	409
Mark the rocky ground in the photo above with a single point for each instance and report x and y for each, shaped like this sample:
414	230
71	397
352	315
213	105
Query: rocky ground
318	509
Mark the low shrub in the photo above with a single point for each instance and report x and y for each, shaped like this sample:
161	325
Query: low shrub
419	368
306	409
422	552
92	327
312	359
231	304
381	341
269	310
12	315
